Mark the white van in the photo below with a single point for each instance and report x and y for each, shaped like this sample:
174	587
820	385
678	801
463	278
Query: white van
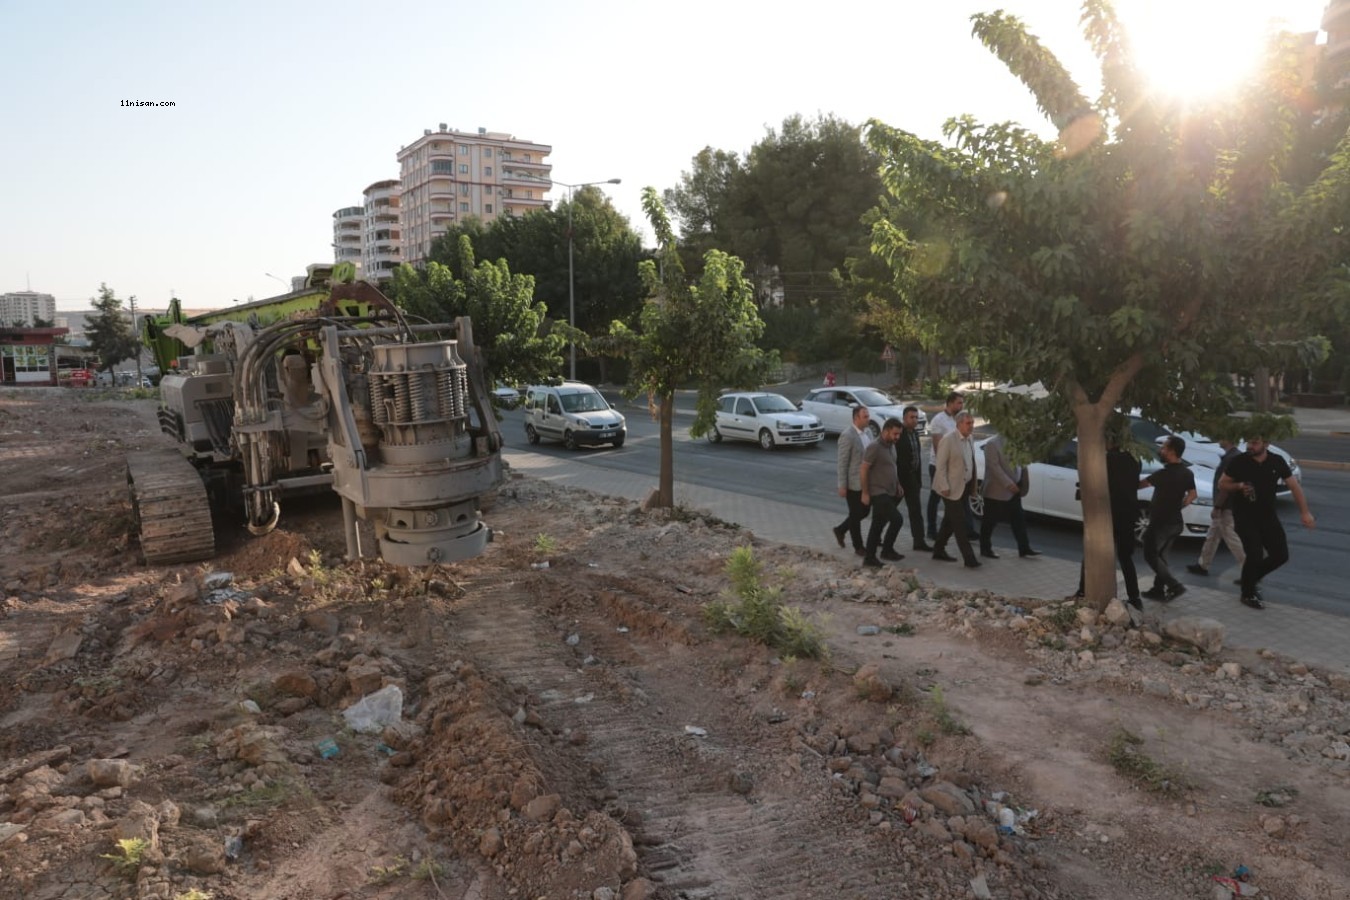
574	413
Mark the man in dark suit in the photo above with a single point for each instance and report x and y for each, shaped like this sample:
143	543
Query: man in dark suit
909	469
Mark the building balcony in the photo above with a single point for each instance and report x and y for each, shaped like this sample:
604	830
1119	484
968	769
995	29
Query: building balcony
517	177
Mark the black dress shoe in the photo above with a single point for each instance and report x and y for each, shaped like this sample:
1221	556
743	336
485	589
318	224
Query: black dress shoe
1025	553
921	547
1253	600
839	536
858	551
891	556
1154	593
871	562
973	564
943	556
1197	569
989	554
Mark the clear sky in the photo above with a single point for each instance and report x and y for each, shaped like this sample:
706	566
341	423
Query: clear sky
285	110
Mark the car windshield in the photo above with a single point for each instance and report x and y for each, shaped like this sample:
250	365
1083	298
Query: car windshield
773	403
583	401
869	397
1146	431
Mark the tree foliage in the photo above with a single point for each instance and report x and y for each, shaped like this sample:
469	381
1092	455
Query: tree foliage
791	209
605	248
699	334
1134	261
509	326
109	330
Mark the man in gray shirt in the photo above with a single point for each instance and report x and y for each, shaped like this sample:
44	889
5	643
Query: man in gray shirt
881	492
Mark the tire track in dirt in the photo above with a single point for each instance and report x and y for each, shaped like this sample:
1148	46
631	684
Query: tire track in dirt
711	816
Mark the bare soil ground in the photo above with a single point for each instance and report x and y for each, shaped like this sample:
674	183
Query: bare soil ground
577	731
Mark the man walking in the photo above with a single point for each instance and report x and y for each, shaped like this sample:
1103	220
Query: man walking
954	480
1252	478
852	442
1173	490
942	424
1003	487
881	491
1221	519
1122	489
909	470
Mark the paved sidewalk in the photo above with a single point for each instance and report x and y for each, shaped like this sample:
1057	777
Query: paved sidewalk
1306	635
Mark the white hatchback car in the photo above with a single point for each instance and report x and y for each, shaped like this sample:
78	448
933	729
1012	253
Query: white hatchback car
768	419
834	407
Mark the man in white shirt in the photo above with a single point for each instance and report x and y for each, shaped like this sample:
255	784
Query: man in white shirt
941	424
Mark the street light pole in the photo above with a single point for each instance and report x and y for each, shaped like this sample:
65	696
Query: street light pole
571	272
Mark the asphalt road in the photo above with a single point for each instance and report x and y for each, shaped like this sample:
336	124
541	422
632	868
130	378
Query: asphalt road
1313	578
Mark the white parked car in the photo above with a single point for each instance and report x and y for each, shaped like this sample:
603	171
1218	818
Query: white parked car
1054	490
1201	450
834	407
574	413
506	396
768	419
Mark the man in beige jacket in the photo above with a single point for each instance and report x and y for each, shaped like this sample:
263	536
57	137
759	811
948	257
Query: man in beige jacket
953	481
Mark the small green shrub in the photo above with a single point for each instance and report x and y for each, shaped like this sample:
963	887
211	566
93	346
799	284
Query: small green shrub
942	715
127	860
544	544
755	611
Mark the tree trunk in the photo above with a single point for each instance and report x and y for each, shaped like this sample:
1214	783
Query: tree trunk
1261	389
1099	547
665	493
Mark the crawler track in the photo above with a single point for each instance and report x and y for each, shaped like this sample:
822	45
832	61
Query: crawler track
172	511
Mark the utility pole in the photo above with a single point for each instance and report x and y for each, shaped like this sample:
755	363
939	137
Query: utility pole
135	332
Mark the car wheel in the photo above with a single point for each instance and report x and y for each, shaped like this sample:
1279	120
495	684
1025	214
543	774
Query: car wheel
976	502
1141	524
531	435
874	430
714	436
618	442
569	441
766	439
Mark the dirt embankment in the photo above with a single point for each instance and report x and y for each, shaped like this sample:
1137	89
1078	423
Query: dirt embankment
577	731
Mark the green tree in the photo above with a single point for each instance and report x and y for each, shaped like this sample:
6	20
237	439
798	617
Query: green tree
509	326
699	333
792	210
109	330
606	252
1103	263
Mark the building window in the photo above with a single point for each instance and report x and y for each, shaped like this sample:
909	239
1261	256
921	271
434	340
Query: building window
441	167
463	150
527	157
487	171
463	207
487	153
529	195
464	189
487	208
463	168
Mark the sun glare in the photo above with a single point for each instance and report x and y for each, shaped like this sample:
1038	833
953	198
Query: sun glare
1198	49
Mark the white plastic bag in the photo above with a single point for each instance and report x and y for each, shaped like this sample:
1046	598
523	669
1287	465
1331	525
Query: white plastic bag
374	711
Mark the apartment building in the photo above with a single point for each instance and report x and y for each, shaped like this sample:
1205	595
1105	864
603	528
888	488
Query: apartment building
382	234
449	175
347	231
21	308
1336	23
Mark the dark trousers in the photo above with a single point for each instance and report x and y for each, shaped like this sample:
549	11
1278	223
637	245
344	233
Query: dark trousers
885	514
911	486
1264	542
954	525
1158	540
1124	537
1009	511
934	498
857	511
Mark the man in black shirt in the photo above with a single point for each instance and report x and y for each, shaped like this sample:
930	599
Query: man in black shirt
909	469
1173	489
1122	487
1252	479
